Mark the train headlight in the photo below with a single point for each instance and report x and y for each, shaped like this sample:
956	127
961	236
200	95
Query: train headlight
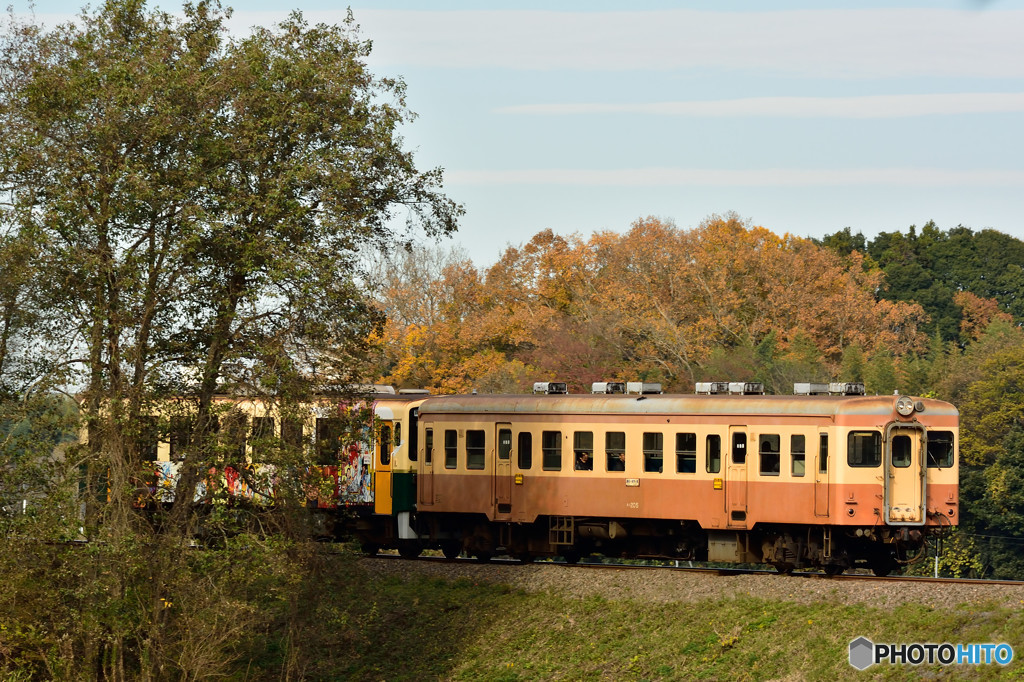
905	406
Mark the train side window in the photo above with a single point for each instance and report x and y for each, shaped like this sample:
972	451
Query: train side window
525	450
398	434
864	449
739	448
292	432
583	449
686	453
615	449
654	452
940	449
262	433
797	449
428	447
714	454
451	448
770	464
476	443
504	443
823	453
901	451
181	431
148	438
551	449
384	443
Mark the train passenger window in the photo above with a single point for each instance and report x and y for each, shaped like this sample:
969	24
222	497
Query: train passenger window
714	454
583	449
328	441
428	447
864	449
615	448
797	450
181	431
384	443
262	433
686	453
525	450
901	451
148	438
940	449
654	452
823	453
551	450
771	464
504	443
476	443
739	448
451	448
292	432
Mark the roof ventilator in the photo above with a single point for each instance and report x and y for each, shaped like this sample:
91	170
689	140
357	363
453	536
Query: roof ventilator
550	387
840	388
608	387
712	387
643	388
730	388
810	388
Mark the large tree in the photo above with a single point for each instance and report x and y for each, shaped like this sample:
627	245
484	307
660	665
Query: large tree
191	208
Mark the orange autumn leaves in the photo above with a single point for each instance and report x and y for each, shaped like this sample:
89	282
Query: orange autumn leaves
657	303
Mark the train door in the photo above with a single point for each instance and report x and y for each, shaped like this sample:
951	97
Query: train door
821	474
905	478
382	469
503	470
425	483
736	478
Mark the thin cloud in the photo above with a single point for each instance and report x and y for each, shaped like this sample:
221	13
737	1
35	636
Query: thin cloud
835	43
874	106
768	177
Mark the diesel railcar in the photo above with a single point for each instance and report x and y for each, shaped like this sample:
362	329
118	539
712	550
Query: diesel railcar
825	481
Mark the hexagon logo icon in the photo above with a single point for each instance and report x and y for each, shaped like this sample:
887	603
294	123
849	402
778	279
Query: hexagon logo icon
862	653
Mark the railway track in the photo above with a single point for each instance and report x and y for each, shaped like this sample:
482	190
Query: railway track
725	572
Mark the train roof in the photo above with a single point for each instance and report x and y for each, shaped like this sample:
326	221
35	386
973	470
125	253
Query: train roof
675	404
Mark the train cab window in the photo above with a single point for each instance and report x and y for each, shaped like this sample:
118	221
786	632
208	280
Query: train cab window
654	452
770	457
504	443
551	450
713	464
686	453
583	450
384	444
292	432
451	448
525	450
940	449
476	442
739	448
615	449
797	449
398	434
901	451
864	449
428	446
823	453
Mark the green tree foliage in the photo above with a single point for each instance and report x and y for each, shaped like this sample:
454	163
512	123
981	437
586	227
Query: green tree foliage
188	211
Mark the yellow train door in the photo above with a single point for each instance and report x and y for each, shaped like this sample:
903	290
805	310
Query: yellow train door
503	470
736	478
821	474
382	468
905	478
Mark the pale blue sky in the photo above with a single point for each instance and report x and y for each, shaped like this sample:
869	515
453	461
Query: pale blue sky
805	117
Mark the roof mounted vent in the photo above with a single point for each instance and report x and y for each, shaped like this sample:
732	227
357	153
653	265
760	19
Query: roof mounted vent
746	388
712	387
839	388
810	388
550	387
413	391
608	387
642	388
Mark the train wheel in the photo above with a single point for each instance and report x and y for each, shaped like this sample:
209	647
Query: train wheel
784	567
525	558
451	549
409	550
369	548
483	557
834	569
571	556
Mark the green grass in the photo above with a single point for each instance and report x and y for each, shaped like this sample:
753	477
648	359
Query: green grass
364	628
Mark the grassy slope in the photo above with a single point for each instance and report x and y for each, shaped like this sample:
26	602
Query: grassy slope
359	627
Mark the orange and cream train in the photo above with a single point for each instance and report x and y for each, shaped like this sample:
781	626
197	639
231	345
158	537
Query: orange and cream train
828	481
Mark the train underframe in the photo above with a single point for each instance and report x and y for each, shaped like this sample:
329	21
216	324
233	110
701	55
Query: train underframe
787	547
